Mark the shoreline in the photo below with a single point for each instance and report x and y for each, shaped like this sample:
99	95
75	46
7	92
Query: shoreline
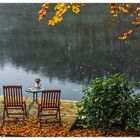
63	100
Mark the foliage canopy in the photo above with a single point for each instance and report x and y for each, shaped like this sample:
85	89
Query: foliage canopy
131	11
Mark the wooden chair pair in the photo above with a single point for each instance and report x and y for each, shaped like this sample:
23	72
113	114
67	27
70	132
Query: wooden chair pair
13	100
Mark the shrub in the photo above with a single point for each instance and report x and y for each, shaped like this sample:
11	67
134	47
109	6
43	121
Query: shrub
110	104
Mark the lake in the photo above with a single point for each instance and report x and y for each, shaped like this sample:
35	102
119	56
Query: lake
68	56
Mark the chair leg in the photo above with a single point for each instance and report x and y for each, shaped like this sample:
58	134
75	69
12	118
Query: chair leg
40	121
39	117
23	114
38	112
59	116
25	110
4	116
7	112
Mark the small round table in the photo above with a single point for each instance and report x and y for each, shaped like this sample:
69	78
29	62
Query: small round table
35	92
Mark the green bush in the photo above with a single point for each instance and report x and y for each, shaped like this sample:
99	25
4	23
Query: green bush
110	104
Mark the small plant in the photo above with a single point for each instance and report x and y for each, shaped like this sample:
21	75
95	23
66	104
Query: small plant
110	104
37	80
37	84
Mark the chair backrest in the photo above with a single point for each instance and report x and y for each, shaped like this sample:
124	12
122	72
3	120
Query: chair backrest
50	98
13	95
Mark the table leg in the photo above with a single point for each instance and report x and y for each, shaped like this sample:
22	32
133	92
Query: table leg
34	100
35	97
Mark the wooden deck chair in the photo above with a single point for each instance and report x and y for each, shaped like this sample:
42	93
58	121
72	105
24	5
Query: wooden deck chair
13	101
50	101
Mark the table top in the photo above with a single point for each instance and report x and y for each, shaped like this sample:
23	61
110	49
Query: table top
33	89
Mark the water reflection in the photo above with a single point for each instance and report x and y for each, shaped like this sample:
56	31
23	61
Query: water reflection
75	52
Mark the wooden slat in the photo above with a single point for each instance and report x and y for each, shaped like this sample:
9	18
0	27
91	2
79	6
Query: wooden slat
16	98
8	101
19	100
19	96
13	95
50	98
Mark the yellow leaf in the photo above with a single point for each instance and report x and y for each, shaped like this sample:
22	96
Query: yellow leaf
138	9
75	9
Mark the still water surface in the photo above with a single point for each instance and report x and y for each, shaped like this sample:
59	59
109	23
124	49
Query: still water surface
67	56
